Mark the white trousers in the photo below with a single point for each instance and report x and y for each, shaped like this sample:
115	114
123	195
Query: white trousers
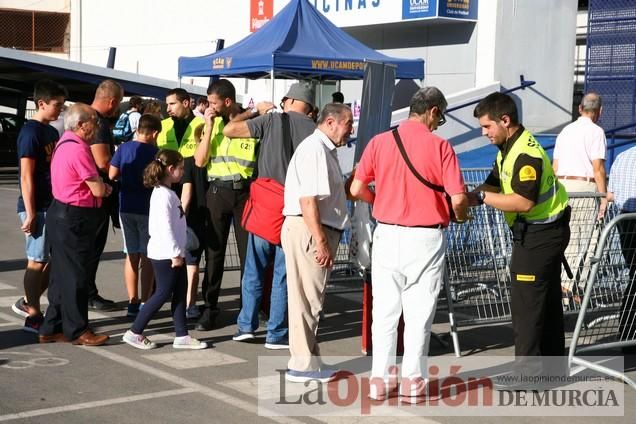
407	271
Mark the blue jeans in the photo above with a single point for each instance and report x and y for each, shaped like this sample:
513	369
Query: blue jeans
259	255
169	282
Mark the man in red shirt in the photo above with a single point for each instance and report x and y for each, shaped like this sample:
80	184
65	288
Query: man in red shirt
408	244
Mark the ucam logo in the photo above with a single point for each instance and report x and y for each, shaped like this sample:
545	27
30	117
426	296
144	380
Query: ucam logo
415	9
218	63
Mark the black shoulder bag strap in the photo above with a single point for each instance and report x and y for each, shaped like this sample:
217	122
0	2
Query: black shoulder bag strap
423	180
288	146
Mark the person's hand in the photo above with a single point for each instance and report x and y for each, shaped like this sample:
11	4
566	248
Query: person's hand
348	185
177	262
322	255
209	115
264	107
28	225
108	190
601	209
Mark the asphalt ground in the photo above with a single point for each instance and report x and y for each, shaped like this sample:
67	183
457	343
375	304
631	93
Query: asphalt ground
62	383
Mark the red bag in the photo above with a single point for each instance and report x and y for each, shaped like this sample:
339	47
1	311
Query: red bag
263	213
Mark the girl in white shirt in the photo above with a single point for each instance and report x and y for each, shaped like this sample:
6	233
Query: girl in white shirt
166	250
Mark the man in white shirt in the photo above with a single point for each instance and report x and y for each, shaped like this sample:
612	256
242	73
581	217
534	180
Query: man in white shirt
315	215
579	152
579	163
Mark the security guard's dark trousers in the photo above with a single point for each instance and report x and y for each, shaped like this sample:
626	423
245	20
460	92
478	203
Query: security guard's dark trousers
226	208
537	311
71	232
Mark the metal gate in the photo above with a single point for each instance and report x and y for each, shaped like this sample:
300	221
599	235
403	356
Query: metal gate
608	309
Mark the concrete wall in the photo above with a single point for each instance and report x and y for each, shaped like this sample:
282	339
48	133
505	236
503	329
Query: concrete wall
150	35
448	51
534	38
537	38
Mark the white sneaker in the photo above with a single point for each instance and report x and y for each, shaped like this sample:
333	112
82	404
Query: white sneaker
138	340
187	342
283	344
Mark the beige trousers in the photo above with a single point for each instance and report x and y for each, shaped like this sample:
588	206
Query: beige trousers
583	237
306	284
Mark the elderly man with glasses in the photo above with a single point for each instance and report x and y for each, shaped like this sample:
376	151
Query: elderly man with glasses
409	243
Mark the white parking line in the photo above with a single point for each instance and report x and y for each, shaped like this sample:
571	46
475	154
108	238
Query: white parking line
95	404
12	318
199	388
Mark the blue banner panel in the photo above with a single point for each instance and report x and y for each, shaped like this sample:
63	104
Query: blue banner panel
418	9
458	9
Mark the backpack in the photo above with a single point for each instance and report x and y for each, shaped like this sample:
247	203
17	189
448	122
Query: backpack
122	131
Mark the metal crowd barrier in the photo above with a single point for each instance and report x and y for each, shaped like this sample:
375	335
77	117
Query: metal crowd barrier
344	276
232	260
477	282
607	314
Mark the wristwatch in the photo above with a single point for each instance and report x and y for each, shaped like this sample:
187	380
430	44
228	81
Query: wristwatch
481	195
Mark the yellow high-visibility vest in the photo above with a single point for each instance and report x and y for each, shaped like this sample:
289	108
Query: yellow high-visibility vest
167	138
230	159
552	199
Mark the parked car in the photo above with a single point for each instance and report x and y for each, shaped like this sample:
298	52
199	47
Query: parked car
10	126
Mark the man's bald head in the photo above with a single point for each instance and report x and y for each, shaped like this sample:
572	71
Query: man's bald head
108	96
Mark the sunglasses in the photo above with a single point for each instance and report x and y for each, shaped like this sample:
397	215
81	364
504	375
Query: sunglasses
442	119
282	102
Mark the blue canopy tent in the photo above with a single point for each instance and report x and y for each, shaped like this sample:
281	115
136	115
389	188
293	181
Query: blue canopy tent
298	43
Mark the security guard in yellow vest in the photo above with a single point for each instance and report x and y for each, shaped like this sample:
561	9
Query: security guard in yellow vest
522	184
230	164
177	131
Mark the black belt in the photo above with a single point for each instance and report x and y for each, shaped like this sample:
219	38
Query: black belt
436	226
69	207
329	227
232	185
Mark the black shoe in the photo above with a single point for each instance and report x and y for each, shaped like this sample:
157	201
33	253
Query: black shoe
98	303
207	320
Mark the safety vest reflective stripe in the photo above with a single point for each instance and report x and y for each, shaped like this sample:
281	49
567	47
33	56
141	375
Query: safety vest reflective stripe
230	158
242	162
552	199
548	194
167	138
235	177
547	220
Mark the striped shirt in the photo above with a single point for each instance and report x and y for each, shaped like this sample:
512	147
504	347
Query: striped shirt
622	181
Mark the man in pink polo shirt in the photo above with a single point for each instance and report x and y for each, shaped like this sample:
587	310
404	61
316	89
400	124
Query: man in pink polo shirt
71	226
408	244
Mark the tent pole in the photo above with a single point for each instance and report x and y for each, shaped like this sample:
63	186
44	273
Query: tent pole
272	78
